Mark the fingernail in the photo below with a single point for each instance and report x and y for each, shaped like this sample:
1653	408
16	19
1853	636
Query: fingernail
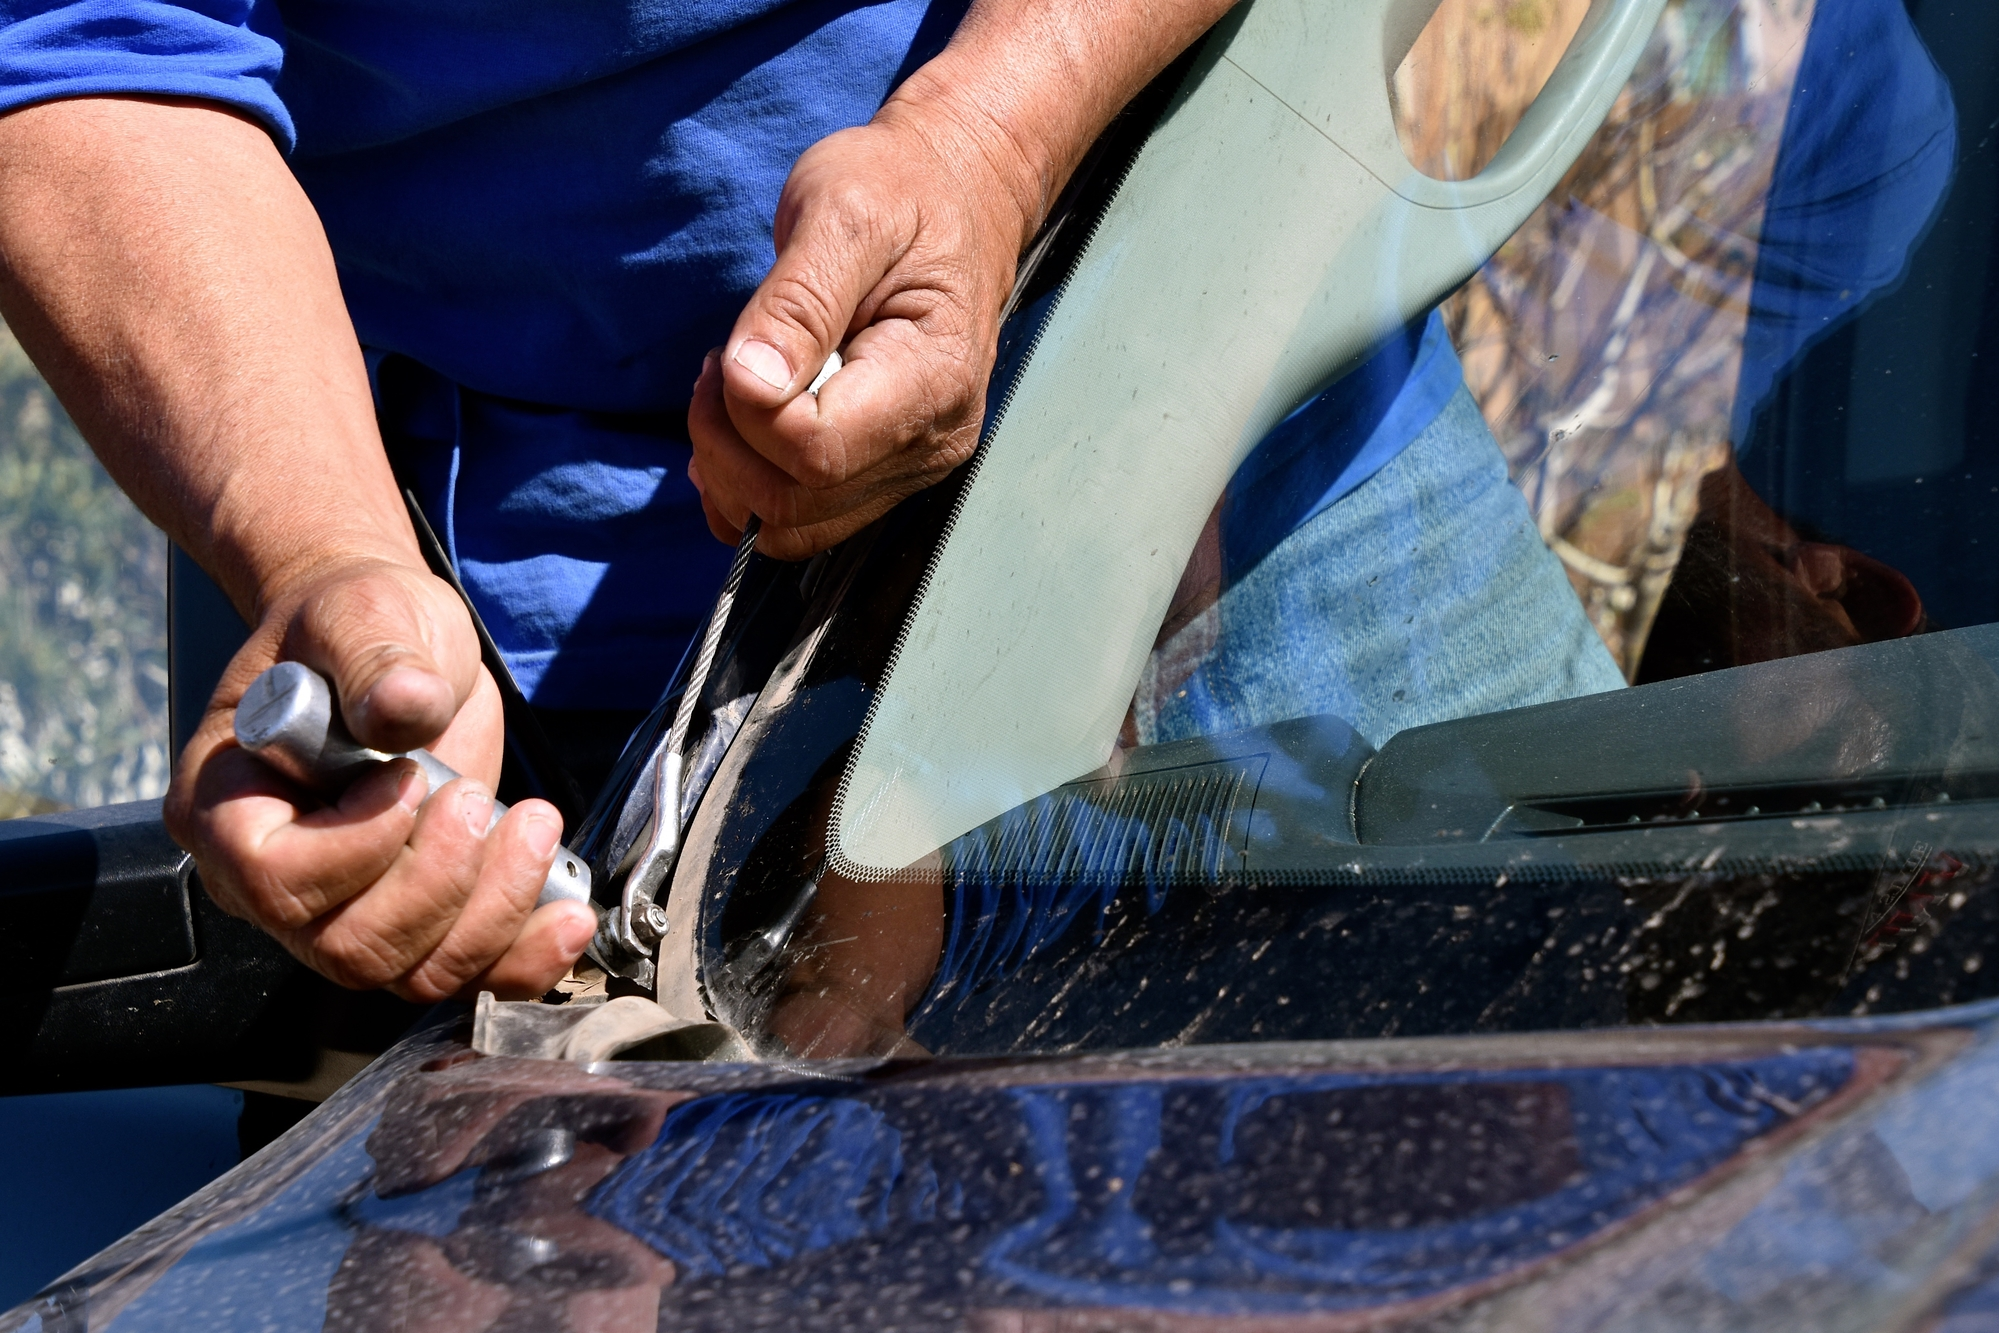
765	362
411	791
574	933
475	806
543	831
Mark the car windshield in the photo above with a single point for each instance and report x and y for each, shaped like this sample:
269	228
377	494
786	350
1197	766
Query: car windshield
1546	593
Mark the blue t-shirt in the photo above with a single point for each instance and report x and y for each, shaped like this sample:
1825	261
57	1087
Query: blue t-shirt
561	203
544	215
548	211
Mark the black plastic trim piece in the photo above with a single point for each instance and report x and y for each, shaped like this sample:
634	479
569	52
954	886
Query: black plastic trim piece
120	972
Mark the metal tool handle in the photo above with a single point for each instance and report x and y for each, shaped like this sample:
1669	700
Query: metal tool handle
287	719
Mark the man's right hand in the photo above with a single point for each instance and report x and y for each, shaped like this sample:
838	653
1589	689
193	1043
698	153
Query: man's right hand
370	889
170	278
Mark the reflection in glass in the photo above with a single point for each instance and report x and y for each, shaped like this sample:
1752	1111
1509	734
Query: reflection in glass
1758	193
1767	173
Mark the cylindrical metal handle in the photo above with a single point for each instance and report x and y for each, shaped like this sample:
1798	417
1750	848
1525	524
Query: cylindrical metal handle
287	719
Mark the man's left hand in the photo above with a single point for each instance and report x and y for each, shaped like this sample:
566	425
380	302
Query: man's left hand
896	246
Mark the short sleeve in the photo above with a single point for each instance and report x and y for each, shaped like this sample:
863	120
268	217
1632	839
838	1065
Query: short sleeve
226	51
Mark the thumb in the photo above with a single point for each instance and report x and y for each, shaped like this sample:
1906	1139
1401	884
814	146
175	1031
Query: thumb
830	259
399	649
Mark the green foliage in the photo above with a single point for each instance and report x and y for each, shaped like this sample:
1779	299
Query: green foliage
83	631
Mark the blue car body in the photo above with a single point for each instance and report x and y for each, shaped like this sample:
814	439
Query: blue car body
1824	1175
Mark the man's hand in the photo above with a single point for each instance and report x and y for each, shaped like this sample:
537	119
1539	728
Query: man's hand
904	244
170	278
896	245
370	890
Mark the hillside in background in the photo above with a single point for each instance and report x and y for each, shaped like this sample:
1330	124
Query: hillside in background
83	627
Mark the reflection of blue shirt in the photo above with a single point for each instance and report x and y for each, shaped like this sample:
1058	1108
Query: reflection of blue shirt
1337	441
1869	148
759	1179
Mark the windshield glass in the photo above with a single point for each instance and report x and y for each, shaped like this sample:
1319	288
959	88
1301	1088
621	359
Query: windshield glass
1665	357
1432	723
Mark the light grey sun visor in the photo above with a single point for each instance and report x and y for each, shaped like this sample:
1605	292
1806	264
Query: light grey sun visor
1268	235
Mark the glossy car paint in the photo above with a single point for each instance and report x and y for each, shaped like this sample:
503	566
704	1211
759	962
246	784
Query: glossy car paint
1833	1175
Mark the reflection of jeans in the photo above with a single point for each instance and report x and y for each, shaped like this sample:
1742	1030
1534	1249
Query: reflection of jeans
1425	594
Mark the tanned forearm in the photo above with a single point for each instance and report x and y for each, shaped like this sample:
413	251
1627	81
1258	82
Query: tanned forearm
168	276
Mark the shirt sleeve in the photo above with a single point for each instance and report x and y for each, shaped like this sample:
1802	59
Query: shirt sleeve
226	51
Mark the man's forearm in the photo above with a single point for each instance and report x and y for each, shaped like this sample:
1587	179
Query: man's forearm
172	281
167	274
1034	82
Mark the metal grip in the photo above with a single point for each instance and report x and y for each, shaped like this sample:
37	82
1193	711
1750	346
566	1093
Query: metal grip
287	719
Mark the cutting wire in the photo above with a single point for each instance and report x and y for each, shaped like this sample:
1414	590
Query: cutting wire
639	922
643	920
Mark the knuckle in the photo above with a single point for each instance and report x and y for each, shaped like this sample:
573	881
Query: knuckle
450	966
793	543
422	987
822	465
776	500
356	602
847	205
799	302
953	450
792	509
276	906
220	893
359	960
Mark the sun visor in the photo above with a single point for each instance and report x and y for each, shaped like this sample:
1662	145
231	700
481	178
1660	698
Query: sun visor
1268	234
